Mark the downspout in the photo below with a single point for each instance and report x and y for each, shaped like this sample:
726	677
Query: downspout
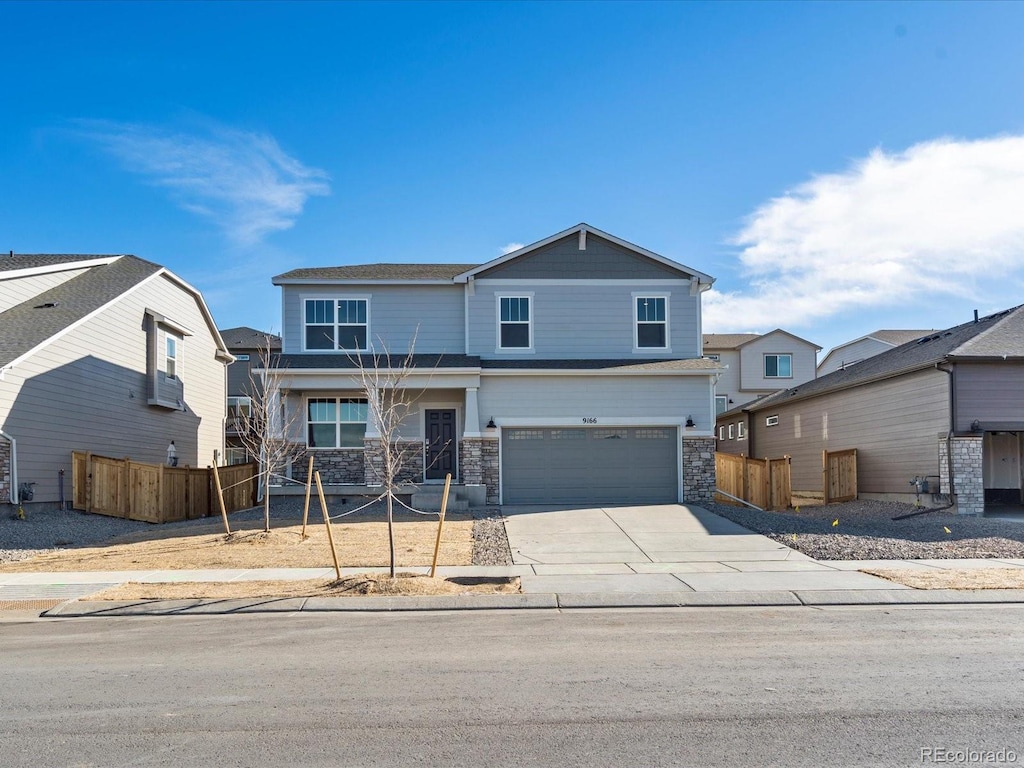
14	493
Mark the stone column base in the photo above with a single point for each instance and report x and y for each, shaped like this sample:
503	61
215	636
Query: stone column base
698	469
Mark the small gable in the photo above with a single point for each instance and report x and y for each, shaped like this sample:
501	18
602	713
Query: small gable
564	260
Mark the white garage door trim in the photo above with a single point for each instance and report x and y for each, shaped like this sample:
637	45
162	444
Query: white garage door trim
546	432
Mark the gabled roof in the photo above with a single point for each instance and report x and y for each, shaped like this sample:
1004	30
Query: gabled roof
737	340
582	229
376	272
992	337
22	261
31	324
728	340
245	337
895	337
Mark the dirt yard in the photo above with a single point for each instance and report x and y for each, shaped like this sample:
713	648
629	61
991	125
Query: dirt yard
981	578
202	544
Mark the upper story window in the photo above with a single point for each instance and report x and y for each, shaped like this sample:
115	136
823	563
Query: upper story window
651	330
242	358
337	324
239	408
515	326
721	404
171	369
714	357
336	422
778	366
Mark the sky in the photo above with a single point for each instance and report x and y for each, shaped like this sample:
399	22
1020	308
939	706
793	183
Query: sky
837	167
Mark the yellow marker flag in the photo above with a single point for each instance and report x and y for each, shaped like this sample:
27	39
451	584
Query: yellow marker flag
946	529
835	522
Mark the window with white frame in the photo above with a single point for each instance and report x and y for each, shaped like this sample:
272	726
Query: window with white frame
651	322
171	357
336	324
712	357
732	431
336	422
242	358
514	324
721	433
236	454
778	366
721	404
771	421
741	430
239	408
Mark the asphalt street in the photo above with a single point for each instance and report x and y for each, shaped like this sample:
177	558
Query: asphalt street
689	687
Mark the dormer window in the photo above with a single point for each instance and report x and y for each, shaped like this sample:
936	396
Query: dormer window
340	324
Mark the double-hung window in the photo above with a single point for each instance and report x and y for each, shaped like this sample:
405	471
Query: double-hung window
651	315
778	366
515	326
336	324
336	422
721	404
171	368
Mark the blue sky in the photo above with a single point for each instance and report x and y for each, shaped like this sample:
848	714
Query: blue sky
838	167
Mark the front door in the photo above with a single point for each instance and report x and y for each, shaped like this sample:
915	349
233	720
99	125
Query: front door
440	458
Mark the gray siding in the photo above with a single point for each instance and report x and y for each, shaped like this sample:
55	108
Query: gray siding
733	444
395	312
14	291
851	353
592	321
752	362
729	382
87	391
570	399
893	424
992	393
239	382
564	260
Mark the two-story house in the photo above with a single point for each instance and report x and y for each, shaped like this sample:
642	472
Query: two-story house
875	343
249	347
567	371
757	364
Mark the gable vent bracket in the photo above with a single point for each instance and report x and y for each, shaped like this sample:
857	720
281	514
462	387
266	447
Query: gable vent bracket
583	238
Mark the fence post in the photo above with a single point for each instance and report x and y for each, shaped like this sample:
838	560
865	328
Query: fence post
126	496
88	481
824	475
768	482
745	487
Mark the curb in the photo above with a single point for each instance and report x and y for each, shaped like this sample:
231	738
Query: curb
533	601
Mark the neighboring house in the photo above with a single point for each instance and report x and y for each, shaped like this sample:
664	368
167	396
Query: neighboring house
108	354
569	370
852	352
248	346
758	364
951	398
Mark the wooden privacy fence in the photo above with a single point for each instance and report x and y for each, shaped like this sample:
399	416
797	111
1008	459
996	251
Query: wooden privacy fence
765	483
839	475
155	493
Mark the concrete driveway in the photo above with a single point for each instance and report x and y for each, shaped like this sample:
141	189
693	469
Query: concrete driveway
657	548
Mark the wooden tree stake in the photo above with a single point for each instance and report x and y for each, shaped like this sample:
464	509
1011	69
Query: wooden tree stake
220	500
309	488
327	523
440	522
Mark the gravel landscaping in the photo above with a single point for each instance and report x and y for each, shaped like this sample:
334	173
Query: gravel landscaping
866	531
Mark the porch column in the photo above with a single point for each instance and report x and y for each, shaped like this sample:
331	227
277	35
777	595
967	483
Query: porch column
469	456
968	478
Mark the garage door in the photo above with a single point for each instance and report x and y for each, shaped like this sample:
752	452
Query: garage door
593	465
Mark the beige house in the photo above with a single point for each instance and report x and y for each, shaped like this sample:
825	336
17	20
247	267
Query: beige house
109	354
758	364
874	343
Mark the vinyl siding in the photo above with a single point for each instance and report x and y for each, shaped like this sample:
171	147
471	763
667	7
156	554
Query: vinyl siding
570	399
893	424
88	389
563	260
584	322
752	354
733	445
395	313
852	353
729	382
991	393
14	291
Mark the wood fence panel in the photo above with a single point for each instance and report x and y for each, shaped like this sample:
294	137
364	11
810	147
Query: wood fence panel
145	492
839	473
155	493
765	483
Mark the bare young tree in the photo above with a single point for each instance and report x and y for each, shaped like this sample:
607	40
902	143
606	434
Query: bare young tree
391	396
265	427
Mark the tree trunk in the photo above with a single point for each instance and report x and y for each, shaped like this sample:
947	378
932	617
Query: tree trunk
266	498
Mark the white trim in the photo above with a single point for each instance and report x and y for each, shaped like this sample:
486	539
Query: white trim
465	316
14	274
637	349
578	228
614	282
576	420
354	372
312	281
500	350
587	372
764	365
304	297
337	421
205	310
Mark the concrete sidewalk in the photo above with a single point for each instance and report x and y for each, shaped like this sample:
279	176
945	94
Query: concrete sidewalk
669	555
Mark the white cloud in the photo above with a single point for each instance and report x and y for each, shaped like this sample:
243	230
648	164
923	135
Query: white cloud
243	181
512	247
941	220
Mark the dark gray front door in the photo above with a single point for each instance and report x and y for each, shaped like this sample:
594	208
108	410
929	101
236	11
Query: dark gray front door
592	465
440	443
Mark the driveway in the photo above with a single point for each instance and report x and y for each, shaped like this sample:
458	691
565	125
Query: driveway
658	548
